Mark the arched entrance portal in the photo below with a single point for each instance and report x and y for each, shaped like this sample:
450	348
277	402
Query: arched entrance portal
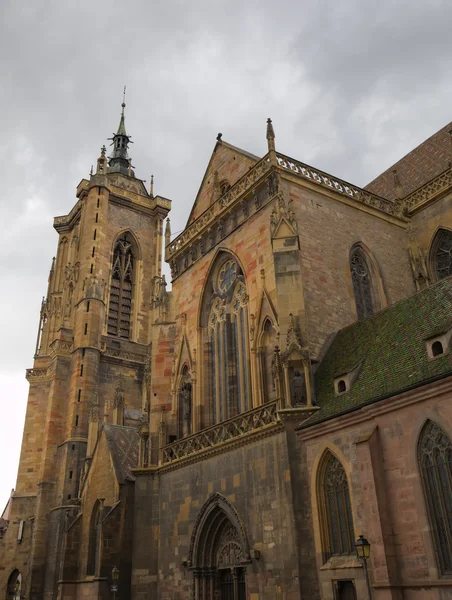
219	552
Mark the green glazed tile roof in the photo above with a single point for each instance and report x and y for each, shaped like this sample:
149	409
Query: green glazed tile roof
389	348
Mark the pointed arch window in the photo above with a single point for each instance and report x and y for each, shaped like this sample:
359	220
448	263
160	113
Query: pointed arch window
121	289
227	331
442	254
95	534
337	520
362	285
435	462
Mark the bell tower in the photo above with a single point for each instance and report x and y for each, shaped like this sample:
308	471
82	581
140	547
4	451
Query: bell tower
94	335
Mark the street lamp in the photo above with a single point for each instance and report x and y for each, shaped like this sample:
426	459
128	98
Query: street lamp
362	547
115	578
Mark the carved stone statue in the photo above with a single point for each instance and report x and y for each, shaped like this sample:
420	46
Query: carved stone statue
186	408
298	389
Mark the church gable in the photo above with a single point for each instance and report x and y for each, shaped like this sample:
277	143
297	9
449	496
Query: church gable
227	164
101	480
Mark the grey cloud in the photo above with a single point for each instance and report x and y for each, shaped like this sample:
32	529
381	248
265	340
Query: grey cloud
350	86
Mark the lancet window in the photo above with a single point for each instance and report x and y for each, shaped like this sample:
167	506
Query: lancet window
337	519
435	463
121	289
227	332
442	254
95	534
362	284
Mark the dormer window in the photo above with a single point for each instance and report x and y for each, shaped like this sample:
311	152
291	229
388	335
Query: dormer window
437	348
341	386
440	344
344	381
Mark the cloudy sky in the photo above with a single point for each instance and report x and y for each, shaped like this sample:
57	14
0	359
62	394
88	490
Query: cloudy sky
351	86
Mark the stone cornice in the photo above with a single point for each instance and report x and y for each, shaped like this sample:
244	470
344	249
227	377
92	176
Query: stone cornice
118	194
368	412
118	354
66	222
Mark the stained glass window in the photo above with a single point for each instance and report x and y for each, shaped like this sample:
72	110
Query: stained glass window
443	254
339	520
227	275
435	458
120	306
228	344
362	287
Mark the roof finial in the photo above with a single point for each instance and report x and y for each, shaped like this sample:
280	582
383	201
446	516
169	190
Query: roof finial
151	187
123	101
270	135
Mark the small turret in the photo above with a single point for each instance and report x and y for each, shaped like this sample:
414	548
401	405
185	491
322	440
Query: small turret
102	162
119	161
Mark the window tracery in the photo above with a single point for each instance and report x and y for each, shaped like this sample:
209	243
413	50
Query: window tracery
435	462
120	306
227	275
443	254
338	520
362	285
227	327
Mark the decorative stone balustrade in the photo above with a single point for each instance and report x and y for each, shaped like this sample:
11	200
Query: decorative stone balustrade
256	419
58	347
431	189
65	220
337	185
36	374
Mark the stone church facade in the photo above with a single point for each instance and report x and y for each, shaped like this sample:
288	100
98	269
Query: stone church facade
230	439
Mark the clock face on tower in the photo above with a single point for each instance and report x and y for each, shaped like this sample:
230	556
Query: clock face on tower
227	276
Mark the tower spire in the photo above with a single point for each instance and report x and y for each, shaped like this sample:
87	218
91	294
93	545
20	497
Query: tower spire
119	161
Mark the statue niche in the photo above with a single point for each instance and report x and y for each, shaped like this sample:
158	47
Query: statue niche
298	388
185	404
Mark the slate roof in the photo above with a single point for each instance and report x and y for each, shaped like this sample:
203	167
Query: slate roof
123	445
419	166
389	350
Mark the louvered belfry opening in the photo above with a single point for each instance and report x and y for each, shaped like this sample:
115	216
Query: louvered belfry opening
120	307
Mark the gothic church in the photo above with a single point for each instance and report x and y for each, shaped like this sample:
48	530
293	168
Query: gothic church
230	439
